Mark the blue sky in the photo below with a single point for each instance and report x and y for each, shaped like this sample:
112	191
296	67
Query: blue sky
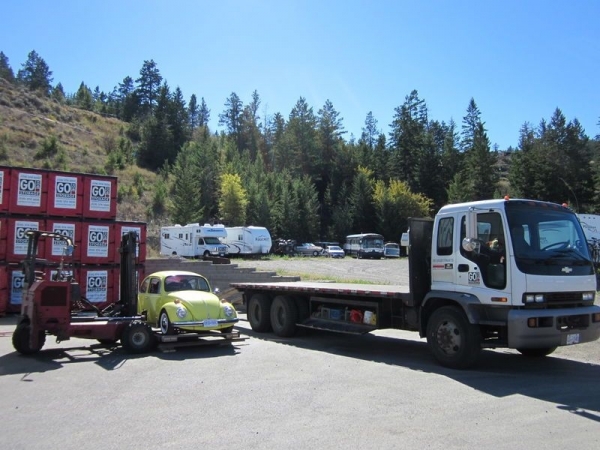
519	59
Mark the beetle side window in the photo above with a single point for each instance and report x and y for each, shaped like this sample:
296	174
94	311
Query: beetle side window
154	286
144	286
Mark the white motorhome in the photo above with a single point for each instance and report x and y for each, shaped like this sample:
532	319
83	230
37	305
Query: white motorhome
247	240
193	240
591	225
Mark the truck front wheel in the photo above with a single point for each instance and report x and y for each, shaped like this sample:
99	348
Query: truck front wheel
536	352
138	337
21	339
454	342
258	313
284	315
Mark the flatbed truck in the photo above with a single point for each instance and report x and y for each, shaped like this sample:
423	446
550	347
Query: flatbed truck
504	273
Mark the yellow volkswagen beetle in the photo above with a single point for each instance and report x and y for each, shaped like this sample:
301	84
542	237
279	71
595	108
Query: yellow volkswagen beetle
177	301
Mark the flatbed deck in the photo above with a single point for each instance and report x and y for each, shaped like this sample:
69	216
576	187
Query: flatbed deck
347	289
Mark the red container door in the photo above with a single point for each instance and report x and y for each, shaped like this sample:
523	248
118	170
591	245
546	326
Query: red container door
4	188
97	284
3	291
16	243
55	248
97	243
100	197
65	194
3	237
16	280
28	192
139	228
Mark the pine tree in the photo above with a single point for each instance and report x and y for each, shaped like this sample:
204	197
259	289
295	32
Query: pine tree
233	199
186	206
149	84
35	74
6	71
193	112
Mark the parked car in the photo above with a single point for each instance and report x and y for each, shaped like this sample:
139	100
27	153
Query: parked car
309	249
177	301
334	251
391	250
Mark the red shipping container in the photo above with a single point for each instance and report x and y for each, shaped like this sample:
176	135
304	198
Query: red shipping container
3	237
65	194
55	248
28	191
97	284
4	188
16	239
15	281
3	291
139	228
97	242
99	197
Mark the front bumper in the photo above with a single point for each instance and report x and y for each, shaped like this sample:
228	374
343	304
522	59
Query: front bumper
559	327
205	323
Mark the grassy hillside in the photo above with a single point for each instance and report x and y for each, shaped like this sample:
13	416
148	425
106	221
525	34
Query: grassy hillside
29	124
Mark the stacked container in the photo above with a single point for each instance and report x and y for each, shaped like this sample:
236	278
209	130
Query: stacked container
81	206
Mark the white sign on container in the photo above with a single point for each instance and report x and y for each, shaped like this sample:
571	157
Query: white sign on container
97	245
100	195
58	245
97	286
16	291
65	192
21	228
29	189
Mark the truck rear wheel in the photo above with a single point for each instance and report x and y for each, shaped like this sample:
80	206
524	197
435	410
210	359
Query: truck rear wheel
138	338
454	342
536	352
284	315
259	310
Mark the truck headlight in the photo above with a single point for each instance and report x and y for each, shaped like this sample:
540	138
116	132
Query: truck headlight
588	296
181	312
534	298
228	310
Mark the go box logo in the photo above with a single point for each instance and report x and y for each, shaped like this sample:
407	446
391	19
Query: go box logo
65	192
16	285
29	192
97	285
58	245
98	241
21	229
100	193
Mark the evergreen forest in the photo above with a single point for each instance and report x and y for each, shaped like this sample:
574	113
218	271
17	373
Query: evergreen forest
300	173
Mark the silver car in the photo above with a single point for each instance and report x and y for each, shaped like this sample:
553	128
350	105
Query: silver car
334	251
309	249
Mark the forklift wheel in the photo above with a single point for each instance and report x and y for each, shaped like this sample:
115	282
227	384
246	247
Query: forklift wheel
138	338
20	339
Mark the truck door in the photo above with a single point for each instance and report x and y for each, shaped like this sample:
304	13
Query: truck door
484	268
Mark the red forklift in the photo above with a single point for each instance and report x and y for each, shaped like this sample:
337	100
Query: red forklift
52	303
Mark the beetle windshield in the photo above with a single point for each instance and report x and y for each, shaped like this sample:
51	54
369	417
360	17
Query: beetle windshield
176	283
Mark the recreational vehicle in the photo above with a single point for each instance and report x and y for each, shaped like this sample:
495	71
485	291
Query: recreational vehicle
193	240
246	241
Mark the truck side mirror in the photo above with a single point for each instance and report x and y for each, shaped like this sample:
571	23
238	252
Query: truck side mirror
471	242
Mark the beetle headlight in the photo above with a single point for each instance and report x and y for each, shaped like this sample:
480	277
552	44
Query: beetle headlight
181	312
228	310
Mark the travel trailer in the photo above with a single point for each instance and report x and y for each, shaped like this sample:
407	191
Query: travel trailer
247	241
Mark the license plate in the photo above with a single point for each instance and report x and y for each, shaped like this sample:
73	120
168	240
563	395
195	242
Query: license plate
211	323
572	339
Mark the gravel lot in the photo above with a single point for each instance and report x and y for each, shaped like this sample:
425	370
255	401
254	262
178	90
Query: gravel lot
382	271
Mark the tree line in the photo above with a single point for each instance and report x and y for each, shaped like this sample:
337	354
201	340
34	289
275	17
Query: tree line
302	178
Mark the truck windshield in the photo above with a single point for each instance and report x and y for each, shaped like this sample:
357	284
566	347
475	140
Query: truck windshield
212	240
545	241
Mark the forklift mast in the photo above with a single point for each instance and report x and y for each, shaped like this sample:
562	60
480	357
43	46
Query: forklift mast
129	282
